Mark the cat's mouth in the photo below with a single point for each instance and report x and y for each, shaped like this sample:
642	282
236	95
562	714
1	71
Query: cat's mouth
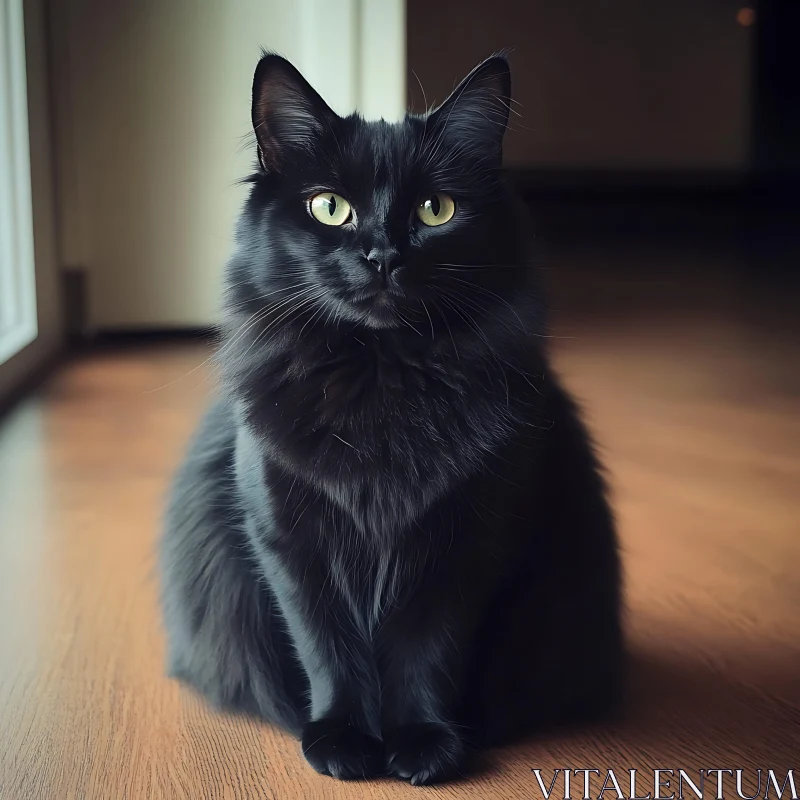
382	297
379	297
379	306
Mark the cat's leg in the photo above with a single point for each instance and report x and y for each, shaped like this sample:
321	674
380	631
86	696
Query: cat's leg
421	683
341	737
224	633
424	654
225	636
552	651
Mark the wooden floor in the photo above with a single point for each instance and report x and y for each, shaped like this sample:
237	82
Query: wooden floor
697	418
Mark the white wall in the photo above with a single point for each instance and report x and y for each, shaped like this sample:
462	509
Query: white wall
153	109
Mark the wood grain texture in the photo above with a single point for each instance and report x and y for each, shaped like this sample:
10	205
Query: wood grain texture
697	419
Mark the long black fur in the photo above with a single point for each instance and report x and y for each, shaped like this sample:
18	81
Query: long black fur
389	535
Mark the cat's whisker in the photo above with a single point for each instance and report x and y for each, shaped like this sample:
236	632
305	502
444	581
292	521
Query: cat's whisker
482	266
311	319
433	334
526	376
259	297
447	325
182	377
285	316
258	318
494	295
214	357
492	315
406	322
491	348
425	101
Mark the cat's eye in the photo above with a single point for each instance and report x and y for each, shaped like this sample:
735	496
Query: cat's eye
330	209
436	209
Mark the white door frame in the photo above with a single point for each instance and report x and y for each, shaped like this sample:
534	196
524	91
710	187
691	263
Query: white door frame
354	54
18	316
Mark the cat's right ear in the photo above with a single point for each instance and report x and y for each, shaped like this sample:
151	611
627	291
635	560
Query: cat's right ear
287	113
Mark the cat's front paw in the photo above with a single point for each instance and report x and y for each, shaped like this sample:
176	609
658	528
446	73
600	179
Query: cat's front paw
335	747
425	753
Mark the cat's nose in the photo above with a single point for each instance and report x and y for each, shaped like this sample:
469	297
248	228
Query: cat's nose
384	259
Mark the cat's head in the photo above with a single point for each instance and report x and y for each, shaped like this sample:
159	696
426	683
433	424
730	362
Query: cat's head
380	224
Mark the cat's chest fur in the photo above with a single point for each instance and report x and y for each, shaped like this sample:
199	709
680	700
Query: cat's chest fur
380	427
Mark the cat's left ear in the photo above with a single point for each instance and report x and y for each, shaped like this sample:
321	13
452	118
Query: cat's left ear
477	110
288	115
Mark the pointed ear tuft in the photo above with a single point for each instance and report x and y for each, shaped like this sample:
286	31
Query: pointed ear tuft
477	110
287	113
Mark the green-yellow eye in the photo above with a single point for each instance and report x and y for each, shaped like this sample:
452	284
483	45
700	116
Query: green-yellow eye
436	209
330	209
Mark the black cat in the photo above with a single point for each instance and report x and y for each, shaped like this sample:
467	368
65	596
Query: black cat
390	536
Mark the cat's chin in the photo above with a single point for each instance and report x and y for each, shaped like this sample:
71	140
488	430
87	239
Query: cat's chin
380	320
377	311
